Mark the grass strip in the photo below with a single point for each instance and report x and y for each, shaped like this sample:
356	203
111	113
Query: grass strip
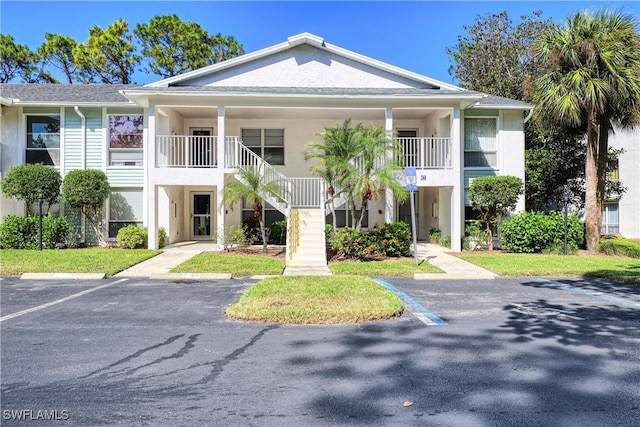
387	267
14	262
238	265
626	270
316	300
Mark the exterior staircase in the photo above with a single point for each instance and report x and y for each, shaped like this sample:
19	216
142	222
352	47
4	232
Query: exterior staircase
301	200
306	245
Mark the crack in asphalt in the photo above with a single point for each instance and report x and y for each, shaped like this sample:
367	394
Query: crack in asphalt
135	355
218	366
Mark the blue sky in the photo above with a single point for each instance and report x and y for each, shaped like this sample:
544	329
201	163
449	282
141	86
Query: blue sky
412	35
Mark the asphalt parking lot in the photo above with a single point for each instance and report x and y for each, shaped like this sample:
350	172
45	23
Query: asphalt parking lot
517	351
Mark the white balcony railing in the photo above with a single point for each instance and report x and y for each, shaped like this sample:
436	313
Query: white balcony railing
426	153
307	192
184	151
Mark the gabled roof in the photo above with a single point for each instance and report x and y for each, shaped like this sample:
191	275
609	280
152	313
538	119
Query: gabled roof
65	94
298	40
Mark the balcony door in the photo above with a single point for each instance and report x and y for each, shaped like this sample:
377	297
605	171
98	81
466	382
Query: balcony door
201	226
409	146
201	147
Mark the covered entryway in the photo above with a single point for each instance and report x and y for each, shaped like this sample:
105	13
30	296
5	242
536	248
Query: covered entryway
201	226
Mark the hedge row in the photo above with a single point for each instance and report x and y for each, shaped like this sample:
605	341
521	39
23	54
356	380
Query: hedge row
620	247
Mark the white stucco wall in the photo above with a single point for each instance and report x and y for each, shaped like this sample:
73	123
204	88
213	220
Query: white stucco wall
304	66
511	148
629	169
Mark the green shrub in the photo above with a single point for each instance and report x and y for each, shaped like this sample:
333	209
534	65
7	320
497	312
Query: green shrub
475	238
233	237
396	238
132	237
278	232
622	247
328	232
55	231
445	241
434	235
534	232
390	239
162	237
20	232
348	242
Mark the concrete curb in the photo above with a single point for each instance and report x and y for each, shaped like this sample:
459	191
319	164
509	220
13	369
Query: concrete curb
60	276
190	276
444	276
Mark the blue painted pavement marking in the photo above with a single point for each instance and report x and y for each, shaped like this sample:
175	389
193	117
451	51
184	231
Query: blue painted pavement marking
422	313
614	300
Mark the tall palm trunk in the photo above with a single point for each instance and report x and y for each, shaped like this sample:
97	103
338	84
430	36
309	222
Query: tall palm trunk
593	211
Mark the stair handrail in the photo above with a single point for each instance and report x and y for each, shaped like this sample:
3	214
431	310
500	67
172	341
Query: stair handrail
237	155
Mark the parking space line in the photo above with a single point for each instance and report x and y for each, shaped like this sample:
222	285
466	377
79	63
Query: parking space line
419	311
600	295
61	300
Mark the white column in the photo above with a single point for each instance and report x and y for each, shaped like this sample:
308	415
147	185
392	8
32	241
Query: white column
220	176
150	209
457	193
389	205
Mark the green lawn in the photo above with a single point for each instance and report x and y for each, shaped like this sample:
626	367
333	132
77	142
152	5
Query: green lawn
14	262
607	267
237	264
316	299
387	267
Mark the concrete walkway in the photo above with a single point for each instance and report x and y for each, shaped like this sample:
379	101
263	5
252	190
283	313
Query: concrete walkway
159	266
453	267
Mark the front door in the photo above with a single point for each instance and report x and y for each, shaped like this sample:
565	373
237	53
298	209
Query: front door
404	210
407	138
201	216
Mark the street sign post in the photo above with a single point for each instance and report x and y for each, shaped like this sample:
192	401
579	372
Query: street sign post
411	181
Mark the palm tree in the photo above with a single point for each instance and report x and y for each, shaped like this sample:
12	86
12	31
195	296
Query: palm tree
339	147
374	169
593	81
250	184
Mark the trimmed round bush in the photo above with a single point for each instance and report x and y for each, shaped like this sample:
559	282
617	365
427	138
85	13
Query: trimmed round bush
21	232
534	232
132	237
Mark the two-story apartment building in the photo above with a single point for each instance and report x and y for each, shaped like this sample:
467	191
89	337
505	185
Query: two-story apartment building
169	147
622	215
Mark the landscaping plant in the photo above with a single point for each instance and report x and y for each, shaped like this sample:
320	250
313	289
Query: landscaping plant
533	232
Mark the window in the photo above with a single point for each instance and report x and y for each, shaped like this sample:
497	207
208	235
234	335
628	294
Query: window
344	218
610	219
125	140
43	140
480	142
125	208
266	143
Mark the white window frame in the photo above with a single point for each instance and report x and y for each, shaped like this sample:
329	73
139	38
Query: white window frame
494	152
607	226
263	144
139	163
60	134
138	222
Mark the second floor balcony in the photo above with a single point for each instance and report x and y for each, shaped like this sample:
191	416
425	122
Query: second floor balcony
185	151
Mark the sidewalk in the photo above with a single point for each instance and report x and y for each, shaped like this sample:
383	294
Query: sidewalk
453	267
159	266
